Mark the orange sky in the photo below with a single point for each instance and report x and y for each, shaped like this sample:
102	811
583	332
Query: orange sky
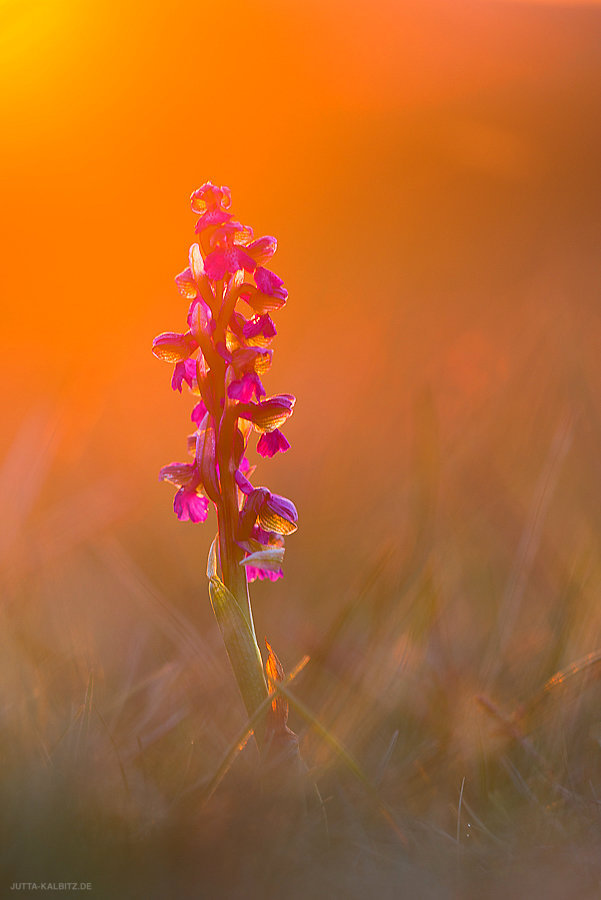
418	154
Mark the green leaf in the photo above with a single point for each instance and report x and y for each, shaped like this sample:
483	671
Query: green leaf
213	567
241	647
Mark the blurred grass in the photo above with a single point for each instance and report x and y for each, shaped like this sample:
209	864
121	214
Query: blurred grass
116	698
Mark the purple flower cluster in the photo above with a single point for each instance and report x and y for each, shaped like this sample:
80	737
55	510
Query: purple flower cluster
221	358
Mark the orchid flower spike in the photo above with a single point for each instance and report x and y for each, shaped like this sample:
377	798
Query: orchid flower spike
222	356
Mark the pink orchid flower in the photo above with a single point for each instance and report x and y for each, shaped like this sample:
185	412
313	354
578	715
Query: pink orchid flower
222	358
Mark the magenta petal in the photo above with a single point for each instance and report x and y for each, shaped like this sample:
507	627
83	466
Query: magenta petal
183	371
216	265
270	283
190	506
272	442
260	535
246	388
252	573
259	325
245	261
215	216
198	413
243	482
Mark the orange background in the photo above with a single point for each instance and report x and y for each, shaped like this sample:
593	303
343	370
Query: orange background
431	172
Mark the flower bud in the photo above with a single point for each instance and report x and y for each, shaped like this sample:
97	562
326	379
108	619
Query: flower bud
209	196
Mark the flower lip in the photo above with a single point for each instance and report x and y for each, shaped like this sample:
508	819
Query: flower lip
184	371
269	283
190	506
198	413
253	572
272	442
246	388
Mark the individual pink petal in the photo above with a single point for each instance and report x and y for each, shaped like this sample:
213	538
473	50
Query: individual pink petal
246	388
271	443
262	249
216	265
227	260
190	506
214	216
198	413
245	261
224	235
184	371
259	325
252	573
269	283
263	537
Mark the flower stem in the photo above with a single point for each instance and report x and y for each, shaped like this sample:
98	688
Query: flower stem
234	575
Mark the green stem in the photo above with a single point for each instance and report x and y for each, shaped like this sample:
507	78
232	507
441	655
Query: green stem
234	575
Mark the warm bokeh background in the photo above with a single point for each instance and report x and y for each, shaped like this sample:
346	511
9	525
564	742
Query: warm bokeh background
431	171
